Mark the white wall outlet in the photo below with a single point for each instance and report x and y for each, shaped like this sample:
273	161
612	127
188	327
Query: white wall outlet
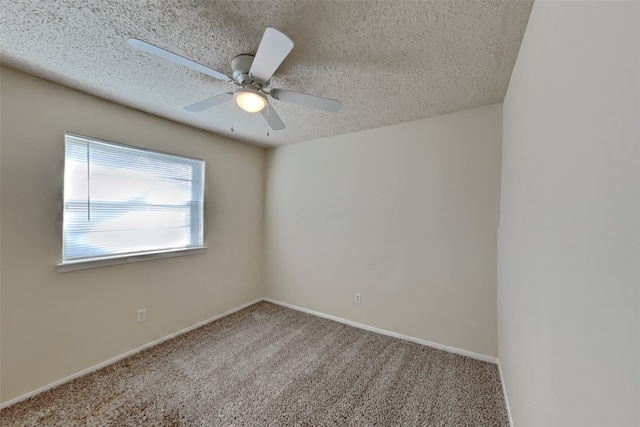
357	299
142	315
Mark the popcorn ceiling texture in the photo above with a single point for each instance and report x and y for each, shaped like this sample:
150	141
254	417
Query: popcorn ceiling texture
270	365
387	61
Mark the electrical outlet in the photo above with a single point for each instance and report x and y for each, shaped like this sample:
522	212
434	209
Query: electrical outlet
357	299
142	315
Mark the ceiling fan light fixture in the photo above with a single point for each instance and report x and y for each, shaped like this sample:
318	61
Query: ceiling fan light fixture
250	100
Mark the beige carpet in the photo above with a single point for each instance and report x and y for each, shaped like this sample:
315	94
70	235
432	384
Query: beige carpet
269	365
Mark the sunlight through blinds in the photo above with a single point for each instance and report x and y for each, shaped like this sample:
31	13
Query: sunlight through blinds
122	201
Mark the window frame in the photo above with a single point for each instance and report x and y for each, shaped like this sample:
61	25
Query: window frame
130	257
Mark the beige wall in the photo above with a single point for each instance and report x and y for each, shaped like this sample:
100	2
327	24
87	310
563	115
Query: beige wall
54	325
569	239
406	215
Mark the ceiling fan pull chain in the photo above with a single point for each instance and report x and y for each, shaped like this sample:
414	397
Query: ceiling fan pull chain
233	113
268	109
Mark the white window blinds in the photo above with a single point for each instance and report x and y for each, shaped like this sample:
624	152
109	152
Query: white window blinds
121	201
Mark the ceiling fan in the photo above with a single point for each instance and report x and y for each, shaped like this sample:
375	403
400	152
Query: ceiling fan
251	75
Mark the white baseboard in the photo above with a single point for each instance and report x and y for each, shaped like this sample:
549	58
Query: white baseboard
122	356
504	392
455	350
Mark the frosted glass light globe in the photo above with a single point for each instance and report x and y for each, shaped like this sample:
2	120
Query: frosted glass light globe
250	100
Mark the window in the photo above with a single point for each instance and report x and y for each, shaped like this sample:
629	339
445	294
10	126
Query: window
121	201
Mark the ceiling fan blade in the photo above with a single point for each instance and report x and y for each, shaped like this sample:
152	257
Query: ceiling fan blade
165	54
209	102
273	49
272	118
305	100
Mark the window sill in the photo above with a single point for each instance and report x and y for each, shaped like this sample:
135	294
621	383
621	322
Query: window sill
84	265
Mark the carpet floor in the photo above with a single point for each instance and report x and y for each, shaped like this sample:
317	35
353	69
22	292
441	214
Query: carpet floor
268	365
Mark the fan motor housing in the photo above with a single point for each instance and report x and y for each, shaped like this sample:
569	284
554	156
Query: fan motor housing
241	65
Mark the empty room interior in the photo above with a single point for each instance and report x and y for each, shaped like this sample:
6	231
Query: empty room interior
386	213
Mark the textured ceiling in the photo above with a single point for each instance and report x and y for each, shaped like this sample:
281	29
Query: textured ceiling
387	61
